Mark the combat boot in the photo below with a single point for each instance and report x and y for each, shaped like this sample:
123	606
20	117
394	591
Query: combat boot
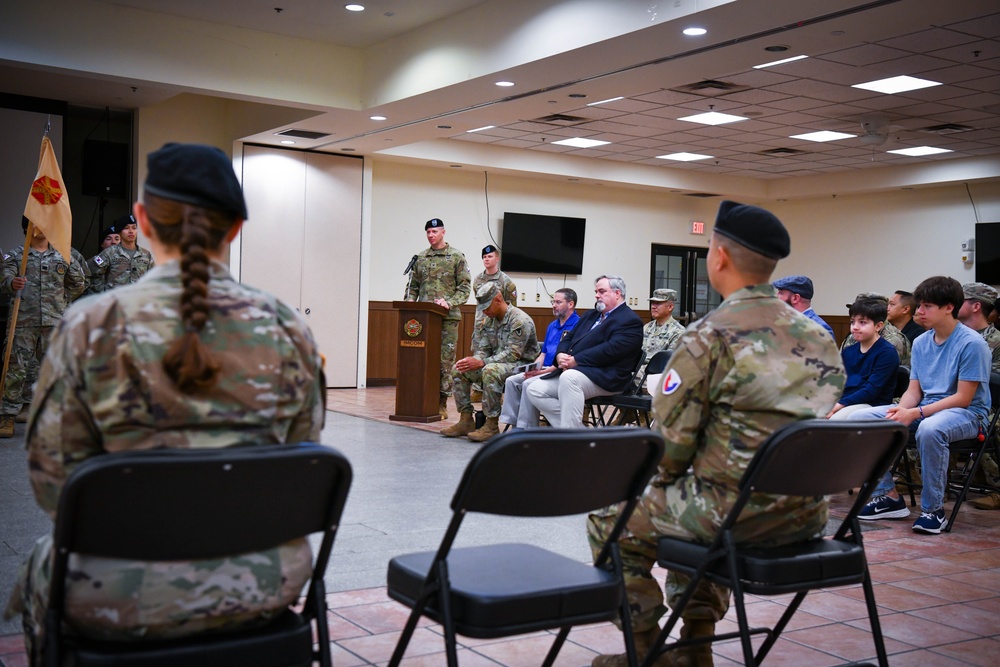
988	502
486	431
692	656
465	426
22	416
643	640
6	426
443	407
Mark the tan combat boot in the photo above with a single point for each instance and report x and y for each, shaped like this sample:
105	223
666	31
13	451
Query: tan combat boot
643	640
443	407
692	656
987	502
6	426
486	431
466	425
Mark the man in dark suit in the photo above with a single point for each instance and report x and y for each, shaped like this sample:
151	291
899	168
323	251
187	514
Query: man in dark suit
596	359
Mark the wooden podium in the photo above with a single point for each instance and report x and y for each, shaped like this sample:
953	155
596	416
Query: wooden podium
418	361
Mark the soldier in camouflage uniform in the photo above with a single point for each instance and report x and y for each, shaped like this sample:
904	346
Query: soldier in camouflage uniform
889	332
116	378
737	375
49	284
506	340
120	264
663	331
441	275
492	273
979	300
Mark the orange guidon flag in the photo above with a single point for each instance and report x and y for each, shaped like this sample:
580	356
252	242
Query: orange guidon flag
48	203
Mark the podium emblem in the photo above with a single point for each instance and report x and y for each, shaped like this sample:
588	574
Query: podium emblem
412	328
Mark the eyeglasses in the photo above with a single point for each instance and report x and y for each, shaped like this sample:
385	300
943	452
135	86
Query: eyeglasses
557	302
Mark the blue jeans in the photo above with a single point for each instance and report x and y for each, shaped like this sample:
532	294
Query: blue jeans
932	435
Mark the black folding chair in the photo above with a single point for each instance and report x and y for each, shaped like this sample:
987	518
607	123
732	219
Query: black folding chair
597	406
507	589
172	504
640	401
970	453
815	457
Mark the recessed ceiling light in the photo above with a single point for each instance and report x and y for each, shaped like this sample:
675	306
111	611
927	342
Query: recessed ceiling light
779	62
896	84
288	142
354	8
347	150
776	48
712	118
610	99
444	127
920	151
505	84
576	95
480	129
376	117
579	142
824	135
694	31
683	157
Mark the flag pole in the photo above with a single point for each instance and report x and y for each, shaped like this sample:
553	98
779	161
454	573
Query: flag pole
29	234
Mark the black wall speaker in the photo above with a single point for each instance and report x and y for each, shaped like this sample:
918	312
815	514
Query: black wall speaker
105	169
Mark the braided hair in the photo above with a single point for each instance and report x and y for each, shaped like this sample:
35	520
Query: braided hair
195	230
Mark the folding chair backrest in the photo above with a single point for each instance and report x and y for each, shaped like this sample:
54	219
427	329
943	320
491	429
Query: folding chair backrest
819	457
902	381
173	504
557	472
658	362
994	392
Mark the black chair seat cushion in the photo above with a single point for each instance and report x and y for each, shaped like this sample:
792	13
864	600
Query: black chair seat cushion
633	401
284	642
777	569
504	589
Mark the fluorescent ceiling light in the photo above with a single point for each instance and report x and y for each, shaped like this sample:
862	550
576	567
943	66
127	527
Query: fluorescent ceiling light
480	129
694	31
683	157
288	142
896	84
920	151
579	142
505	84
376	117
824	135
610	99
713	118
354	8
779	62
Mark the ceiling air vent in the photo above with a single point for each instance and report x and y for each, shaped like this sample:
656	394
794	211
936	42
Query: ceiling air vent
302	134
710	88
946	128
782	151
562	119
700	194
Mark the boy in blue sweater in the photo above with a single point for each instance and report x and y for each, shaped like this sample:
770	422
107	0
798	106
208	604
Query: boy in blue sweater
871	364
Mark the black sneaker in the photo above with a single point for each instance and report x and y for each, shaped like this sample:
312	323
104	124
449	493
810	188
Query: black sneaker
884	507
931	522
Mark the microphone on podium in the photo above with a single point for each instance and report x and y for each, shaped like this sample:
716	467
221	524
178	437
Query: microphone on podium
409	267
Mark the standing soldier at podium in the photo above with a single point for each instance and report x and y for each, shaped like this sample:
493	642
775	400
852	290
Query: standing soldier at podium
441	274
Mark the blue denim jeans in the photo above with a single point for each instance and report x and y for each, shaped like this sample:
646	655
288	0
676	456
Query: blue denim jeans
932	435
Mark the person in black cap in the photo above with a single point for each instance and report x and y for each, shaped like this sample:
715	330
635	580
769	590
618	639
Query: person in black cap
120	264
441	274
736	376
797	292
491	273
110	237
185	358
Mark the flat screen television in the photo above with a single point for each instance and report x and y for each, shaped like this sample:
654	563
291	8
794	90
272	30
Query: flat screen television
542	243
987	253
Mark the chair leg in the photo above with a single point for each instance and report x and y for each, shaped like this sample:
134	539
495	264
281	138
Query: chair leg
553	653
318	604
741	612
866	584
779	627
967	475
624	613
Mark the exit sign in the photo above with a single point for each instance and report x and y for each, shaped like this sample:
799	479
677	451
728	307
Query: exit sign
697	227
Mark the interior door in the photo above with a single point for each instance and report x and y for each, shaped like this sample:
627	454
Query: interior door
684	269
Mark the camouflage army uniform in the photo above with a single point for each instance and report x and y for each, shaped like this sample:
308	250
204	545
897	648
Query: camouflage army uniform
737	375
442	274
52	285
507	288
894	336
503	344
114	267
103	389
989	465
656	337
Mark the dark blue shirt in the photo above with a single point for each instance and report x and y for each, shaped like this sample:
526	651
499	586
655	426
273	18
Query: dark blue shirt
871	376
554	334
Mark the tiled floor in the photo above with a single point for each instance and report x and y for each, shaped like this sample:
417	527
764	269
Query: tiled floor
939	597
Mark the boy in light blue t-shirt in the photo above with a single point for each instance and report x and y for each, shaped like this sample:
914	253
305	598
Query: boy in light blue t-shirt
948	399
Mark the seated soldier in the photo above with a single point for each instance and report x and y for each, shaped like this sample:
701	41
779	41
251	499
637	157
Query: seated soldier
871	365
506	340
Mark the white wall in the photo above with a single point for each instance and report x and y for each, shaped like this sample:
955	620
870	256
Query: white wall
21	136
849	244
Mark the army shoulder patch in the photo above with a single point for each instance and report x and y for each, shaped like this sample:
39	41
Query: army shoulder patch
671	381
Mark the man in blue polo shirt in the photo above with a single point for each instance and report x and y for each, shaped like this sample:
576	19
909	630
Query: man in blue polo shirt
517	410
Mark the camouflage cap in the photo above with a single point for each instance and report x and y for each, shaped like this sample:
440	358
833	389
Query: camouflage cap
485	295
800	285
434	223
664	295
871	296
980	292
490	248
754	228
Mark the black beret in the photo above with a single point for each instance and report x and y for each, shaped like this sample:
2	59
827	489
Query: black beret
111	229
195	174
119	224
753	228
488	249
433	222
